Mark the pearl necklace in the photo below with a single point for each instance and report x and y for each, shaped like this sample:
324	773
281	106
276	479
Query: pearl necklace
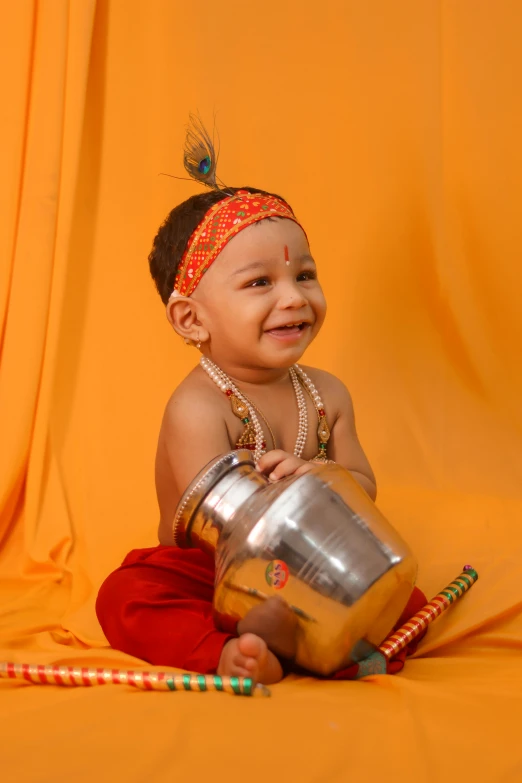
253	436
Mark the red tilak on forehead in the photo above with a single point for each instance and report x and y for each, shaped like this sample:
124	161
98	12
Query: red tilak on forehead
287	257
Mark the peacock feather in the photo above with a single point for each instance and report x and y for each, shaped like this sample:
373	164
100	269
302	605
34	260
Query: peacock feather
199	154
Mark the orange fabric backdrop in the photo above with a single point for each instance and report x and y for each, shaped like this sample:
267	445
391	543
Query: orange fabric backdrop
393	128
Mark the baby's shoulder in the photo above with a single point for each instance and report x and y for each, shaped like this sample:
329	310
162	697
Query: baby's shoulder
195	395
333	391
325	381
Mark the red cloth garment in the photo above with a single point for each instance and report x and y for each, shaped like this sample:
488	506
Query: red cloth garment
157	606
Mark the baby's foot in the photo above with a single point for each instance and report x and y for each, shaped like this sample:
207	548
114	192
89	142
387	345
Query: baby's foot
248	656
274	622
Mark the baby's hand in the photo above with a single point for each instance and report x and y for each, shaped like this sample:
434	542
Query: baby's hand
277	464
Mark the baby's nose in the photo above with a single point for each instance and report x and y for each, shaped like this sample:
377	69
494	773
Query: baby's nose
291	296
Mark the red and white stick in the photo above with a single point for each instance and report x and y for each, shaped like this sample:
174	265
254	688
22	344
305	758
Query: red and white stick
39	674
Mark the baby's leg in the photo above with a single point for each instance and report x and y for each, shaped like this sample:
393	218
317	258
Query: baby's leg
158	607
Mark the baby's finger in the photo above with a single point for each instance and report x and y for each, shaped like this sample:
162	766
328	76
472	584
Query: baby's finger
306	468
269	460
285	468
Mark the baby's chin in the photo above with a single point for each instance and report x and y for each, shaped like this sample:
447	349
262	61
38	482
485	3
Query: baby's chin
283	359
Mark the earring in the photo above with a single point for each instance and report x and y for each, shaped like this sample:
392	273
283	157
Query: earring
198	344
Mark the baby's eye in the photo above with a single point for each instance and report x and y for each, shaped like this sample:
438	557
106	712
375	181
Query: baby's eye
260	282
309	275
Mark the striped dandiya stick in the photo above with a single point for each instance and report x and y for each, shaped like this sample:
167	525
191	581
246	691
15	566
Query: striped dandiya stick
39	674
416	624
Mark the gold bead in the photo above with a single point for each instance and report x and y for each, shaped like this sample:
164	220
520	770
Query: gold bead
323	431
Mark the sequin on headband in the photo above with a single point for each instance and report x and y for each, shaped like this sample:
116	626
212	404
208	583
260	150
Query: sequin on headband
221	223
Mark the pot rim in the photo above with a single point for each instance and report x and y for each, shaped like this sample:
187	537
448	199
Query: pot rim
200	486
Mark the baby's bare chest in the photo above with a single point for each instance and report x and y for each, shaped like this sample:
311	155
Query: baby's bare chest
285	422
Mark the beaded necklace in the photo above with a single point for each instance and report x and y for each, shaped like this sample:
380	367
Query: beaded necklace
252	436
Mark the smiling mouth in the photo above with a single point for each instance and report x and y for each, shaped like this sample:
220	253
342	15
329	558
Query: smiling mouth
289	330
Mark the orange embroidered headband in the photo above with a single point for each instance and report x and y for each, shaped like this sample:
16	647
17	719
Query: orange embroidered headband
221	223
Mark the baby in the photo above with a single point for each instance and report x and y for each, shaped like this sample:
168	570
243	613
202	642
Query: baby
235	271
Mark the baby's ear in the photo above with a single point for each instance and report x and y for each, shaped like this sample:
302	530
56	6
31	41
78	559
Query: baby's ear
182	316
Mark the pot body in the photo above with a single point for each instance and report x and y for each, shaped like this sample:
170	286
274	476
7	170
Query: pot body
317	540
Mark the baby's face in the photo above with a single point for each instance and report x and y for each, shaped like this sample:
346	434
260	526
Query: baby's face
261	300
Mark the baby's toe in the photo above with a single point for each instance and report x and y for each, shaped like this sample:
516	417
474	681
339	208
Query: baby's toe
252	646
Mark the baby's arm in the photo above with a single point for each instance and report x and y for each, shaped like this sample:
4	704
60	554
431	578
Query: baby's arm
343	446
193	432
